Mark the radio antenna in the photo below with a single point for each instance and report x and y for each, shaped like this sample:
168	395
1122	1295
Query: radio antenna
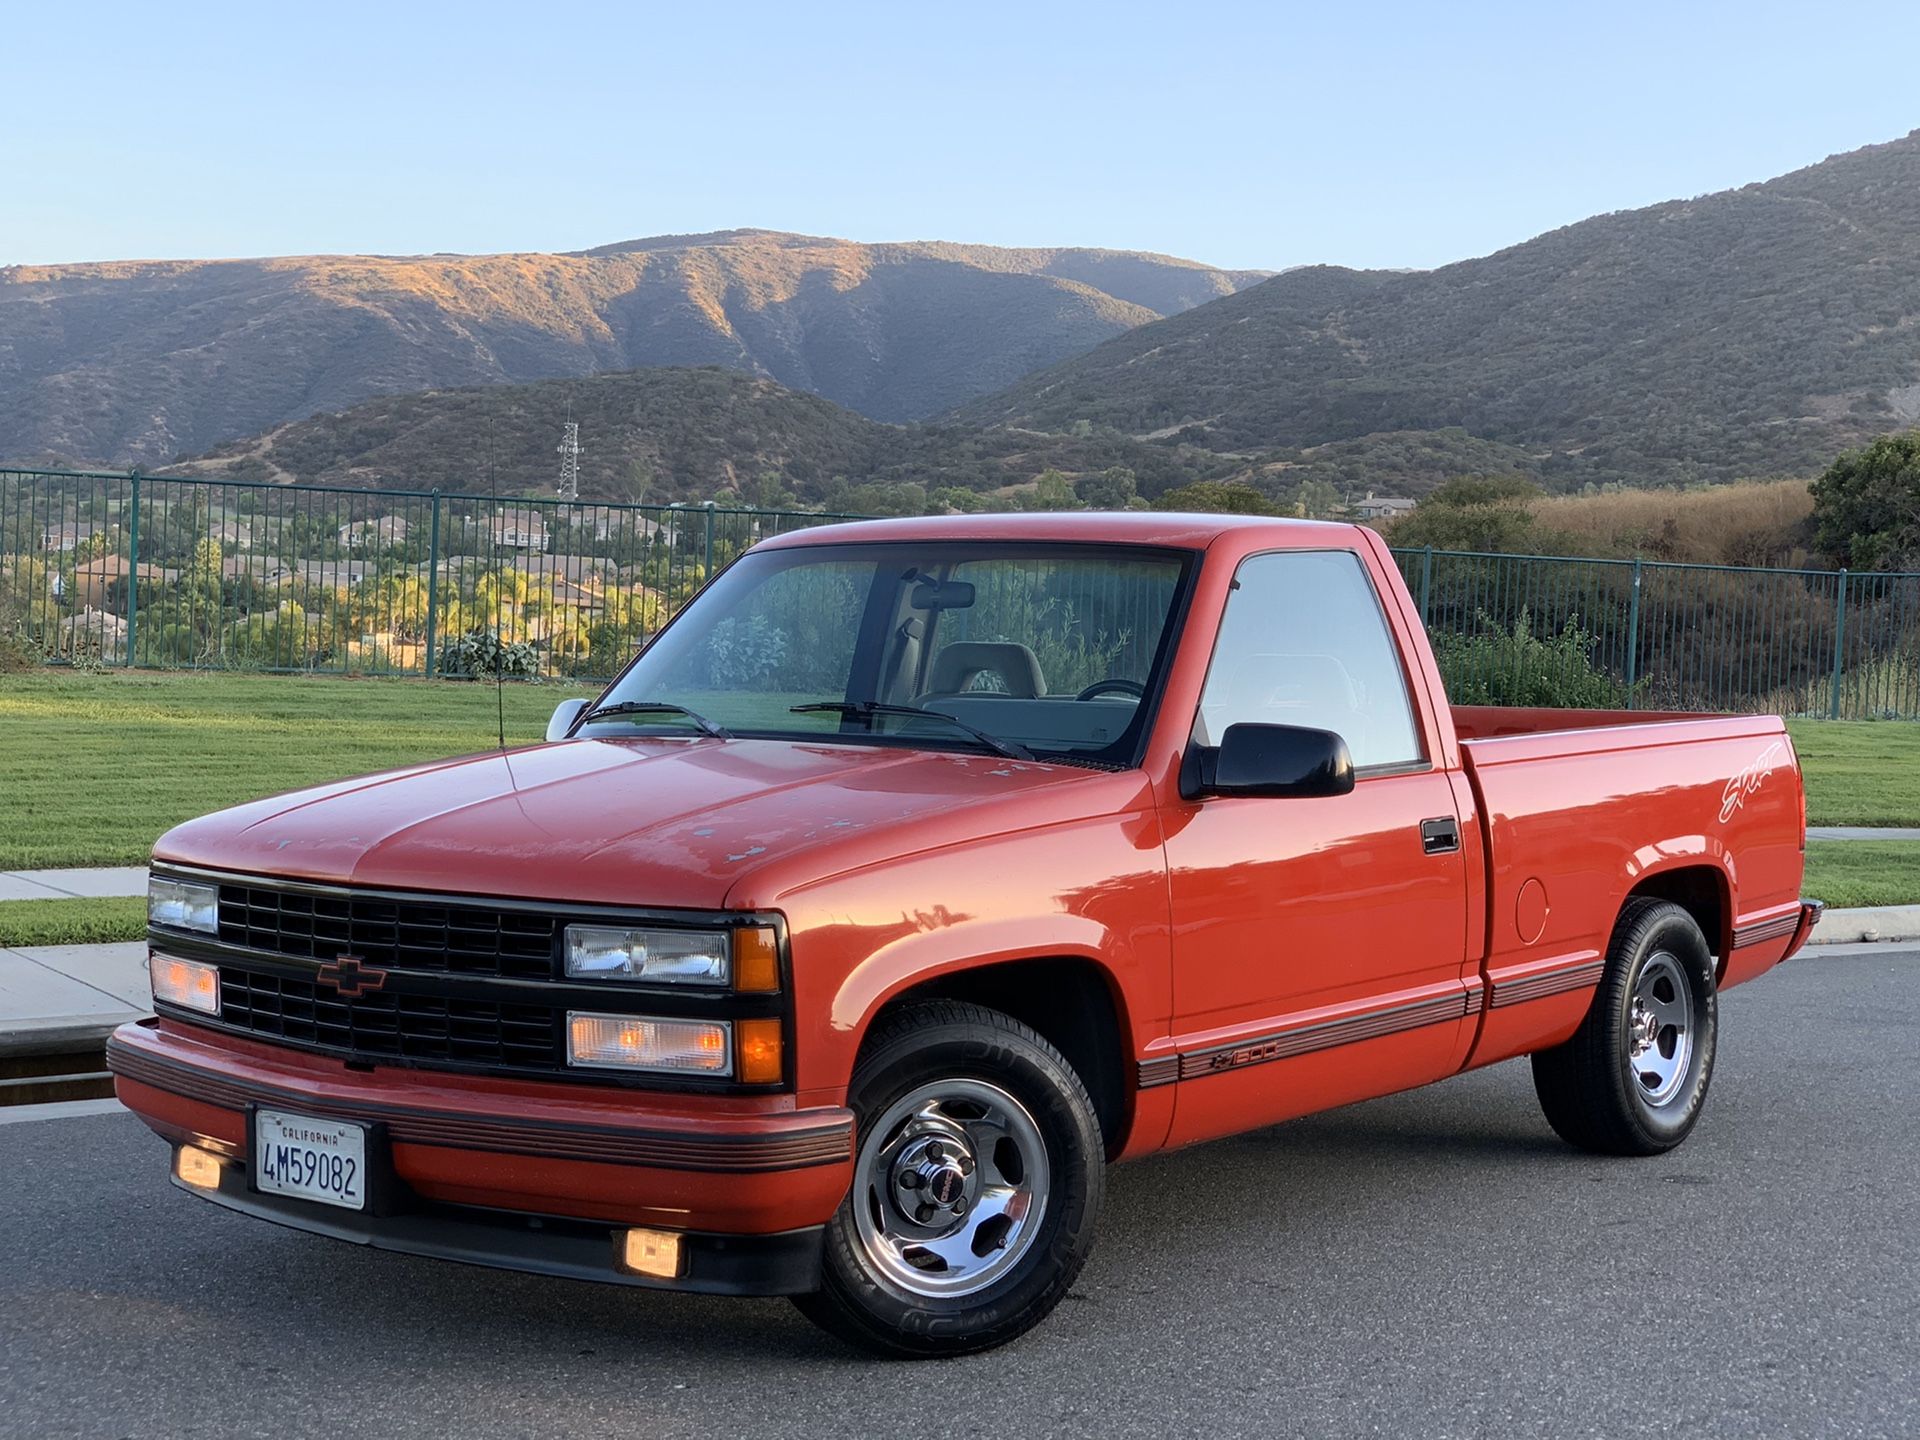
499	644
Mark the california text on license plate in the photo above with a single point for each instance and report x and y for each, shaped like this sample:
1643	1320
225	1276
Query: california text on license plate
324	1160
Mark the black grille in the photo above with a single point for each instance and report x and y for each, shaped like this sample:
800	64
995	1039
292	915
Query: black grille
405	1027
389	933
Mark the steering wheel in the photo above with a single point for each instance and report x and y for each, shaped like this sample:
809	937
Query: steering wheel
1125	687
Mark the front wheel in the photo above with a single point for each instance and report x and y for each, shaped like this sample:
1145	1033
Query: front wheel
1632	1079
976	1186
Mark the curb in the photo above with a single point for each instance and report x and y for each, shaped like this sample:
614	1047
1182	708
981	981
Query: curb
56	1035
1867	923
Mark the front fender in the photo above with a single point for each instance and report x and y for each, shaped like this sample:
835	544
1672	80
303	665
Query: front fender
1086	891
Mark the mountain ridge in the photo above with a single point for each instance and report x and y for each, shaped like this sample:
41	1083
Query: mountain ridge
138	361
1752	331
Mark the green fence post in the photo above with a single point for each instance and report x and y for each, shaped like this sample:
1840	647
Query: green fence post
1839	643
1633	635
133	565
433	580
1426	581
706	564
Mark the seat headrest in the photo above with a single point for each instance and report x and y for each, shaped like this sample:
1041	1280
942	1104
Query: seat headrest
958	665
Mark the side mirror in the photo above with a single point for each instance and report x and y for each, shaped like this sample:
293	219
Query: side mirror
1274	760
564	714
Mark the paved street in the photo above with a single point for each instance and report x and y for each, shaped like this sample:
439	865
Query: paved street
1432	1264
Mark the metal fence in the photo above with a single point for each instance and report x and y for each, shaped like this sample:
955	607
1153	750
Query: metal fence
1639	633
200	573
134	570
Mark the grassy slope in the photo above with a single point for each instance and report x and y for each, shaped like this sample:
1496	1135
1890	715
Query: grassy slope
94	767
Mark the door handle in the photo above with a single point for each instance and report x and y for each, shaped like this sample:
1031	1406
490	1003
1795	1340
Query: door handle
1440	836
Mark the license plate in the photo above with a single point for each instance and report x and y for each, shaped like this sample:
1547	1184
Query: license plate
323	1160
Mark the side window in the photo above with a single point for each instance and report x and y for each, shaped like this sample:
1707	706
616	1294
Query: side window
1304	642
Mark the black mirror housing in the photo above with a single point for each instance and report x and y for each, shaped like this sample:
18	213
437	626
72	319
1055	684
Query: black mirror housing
1272	760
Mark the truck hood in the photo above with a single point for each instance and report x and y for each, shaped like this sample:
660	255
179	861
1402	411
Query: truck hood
667	822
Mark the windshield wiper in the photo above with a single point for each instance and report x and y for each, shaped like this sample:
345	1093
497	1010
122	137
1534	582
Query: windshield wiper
870	708
658	707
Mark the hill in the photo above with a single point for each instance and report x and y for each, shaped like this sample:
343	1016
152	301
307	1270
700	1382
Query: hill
1752	332
139	361
671	434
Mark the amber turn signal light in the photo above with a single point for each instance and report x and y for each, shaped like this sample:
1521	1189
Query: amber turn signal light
761	1055
756	959
187	983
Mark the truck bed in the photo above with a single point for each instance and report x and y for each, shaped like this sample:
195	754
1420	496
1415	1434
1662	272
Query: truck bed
1579	809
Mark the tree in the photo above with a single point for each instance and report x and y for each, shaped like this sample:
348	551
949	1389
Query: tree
1051	491
1217	498
1490	513
639	481
1867	505
1316	499
1114	488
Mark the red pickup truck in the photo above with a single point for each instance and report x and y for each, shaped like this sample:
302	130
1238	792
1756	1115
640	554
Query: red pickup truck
918	869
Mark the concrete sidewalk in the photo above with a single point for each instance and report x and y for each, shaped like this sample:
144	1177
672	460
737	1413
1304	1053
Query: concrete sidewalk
1862	832
73	884
56	996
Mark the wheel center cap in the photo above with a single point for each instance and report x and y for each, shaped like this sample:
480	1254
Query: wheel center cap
931	1180
1646	1030
945	1185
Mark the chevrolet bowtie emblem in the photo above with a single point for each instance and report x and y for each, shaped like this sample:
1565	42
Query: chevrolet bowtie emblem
350	978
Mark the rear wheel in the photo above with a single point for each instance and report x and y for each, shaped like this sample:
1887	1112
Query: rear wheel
1632	1079
976	1186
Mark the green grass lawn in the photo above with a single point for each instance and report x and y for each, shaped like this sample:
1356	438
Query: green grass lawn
72	922
1863	872
94	767
1860	772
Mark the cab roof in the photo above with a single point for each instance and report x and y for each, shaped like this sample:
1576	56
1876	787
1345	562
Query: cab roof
1113	527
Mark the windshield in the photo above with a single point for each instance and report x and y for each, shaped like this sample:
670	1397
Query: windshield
1054	649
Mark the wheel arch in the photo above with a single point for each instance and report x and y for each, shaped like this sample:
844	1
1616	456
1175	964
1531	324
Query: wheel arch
1072	1001
1703	890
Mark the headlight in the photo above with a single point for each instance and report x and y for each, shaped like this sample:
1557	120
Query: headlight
674	957
635	1042
183	905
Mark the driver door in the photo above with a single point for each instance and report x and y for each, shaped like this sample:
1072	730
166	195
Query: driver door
1318	942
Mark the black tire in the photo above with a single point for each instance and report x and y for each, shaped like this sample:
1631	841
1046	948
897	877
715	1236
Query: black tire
1598	1090
963	1050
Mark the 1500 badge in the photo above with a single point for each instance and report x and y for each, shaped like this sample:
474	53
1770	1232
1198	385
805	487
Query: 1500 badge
1748	781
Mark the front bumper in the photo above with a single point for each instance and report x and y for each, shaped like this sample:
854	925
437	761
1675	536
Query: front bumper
784	1264
521	1175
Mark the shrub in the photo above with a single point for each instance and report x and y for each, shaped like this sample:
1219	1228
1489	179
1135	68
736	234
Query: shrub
19	651
744	654
481	654
1501	666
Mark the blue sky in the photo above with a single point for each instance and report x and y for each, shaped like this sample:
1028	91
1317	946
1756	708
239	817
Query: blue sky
1247	135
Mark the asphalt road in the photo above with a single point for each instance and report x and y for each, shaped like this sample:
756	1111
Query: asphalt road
1431	1264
